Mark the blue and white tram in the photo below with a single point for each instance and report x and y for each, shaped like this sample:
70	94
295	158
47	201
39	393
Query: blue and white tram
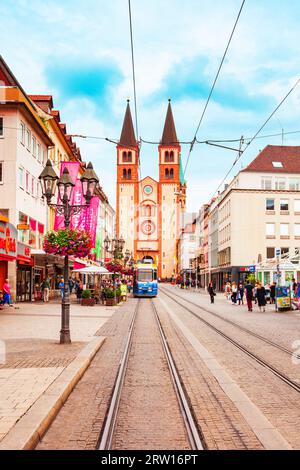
145	280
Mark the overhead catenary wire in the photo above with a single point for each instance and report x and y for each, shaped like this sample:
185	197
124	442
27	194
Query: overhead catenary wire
256	134
213	86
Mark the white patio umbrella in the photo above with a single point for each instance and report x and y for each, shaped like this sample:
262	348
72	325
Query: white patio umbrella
92	270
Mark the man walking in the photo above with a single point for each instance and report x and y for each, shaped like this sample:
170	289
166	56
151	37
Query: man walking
46	289
249	295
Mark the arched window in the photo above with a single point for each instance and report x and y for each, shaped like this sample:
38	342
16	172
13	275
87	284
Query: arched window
124	174
167	156
171	173
167	173
148	211
171	156
129	157
129	175
124	156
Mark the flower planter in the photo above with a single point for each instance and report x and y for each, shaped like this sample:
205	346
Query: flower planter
110	302
87	302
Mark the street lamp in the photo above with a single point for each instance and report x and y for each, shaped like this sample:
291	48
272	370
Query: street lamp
49	180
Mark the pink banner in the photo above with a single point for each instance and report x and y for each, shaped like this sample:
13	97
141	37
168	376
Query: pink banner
86	219
73	168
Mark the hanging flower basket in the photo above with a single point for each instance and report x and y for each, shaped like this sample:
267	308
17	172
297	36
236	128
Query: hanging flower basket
114	267
68	242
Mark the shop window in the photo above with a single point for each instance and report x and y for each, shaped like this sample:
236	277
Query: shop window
270	252
28	134
22	133
284	205
280	184
284	251
270	204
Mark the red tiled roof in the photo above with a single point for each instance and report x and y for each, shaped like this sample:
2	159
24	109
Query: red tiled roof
42	98
55	113
289	156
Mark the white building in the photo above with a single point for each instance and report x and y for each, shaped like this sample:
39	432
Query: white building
187	248
258	213
24	144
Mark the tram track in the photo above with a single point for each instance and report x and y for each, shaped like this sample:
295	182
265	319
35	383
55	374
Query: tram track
246	330
284	378
195	441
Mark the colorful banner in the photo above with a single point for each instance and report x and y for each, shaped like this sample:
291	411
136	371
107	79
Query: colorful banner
86	219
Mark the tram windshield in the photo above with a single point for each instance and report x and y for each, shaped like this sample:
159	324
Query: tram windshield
145	275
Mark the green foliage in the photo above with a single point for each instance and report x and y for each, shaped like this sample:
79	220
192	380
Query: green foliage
86	294
109	293
118	292
251	279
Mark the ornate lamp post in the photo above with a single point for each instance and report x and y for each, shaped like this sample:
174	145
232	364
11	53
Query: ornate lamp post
49	180
114	246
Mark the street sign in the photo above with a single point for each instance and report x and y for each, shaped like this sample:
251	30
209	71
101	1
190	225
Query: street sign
252	269
278	252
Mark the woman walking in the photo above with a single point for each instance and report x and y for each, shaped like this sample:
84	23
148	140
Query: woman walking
234	290
211	292
261	297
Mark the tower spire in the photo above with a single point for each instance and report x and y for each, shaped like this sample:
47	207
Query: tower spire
169	136
127	138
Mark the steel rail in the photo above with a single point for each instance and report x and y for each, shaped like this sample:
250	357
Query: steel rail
246	330
106	436
192	431
258	359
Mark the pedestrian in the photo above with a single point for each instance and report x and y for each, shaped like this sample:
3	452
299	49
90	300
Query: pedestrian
71	284
261	297
234	291
123	288
61	287
272	293
249	295
6	293
46	289
254	293
211	292
294	287
240	295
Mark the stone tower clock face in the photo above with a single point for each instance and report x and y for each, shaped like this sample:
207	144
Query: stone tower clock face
148	227
148	189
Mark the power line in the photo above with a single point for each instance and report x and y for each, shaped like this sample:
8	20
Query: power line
213	86
133	69
256	134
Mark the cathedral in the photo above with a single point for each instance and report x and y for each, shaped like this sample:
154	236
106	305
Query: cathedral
149	212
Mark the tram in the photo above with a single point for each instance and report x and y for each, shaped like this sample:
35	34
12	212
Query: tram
145	280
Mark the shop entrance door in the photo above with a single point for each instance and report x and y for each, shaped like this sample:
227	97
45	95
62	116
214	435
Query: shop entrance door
3	273
23	284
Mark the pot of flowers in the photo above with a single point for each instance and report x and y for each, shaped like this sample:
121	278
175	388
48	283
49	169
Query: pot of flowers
110	297
119	295
86	298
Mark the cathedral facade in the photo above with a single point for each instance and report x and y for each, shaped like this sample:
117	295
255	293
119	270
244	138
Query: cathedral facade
149	212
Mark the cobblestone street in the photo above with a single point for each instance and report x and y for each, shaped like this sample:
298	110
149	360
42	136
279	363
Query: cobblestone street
236	401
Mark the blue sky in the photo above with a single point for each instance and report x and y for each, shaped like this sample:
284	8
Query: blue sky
80	53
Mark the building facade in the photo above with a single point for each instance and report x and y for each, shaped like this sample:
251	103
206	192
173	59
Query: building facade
256	216
148	212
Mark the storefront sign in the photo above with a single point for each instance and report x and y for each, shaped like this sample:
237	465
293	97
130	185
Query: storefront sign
24	251
8	239
23	227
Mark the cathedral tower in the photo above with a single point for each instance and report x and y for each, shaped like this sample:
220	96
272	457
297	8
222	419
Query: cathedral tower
172	195
127	182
